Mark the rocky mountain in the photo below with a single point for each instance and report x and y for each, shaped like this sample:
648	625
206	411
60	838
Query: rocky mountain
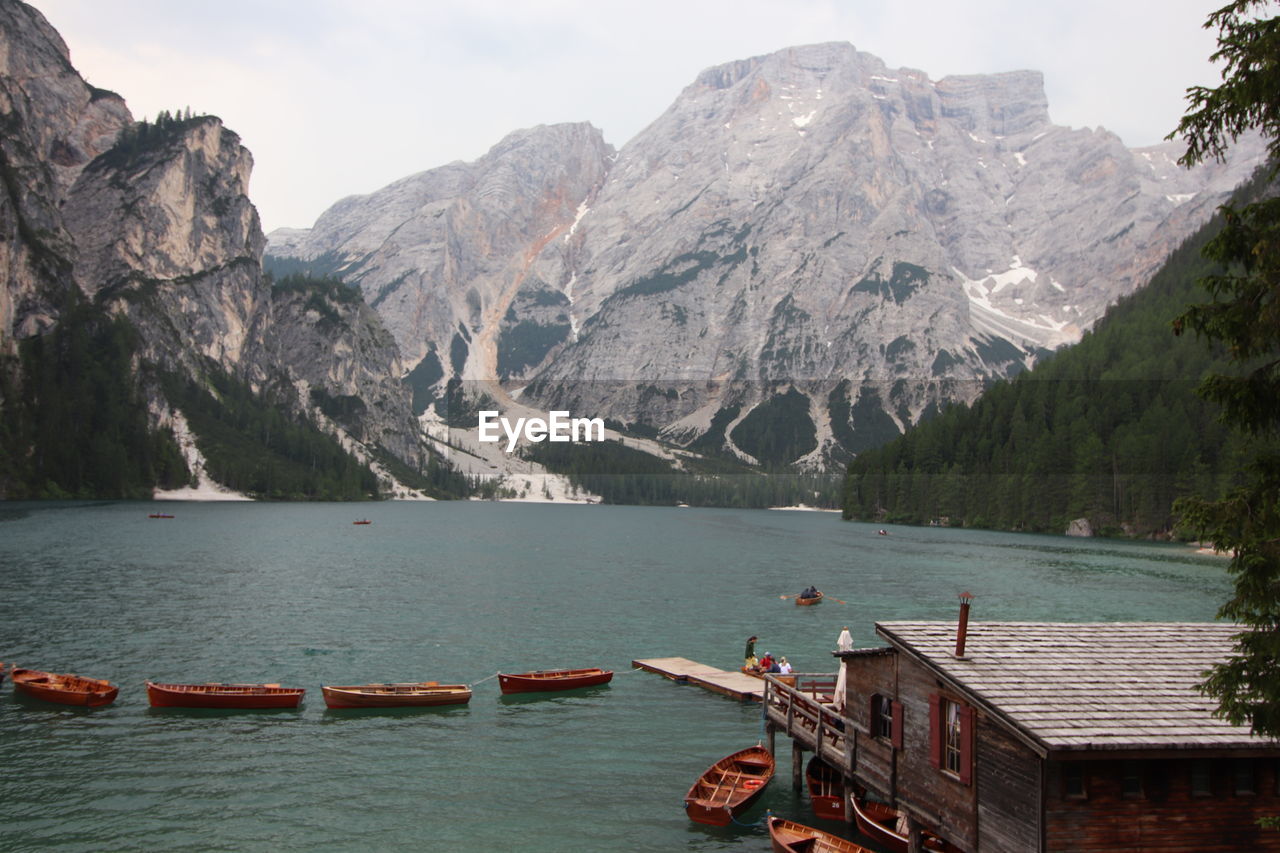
152	222
805	253
52	123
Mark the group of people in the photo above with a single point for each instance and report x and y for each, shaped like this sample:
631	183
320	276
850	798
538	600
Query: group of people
768	663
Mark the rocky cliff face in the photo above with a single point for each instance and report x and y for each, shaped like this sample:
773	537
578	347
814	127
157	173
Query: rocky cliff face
344	366
51	125
165	231
809	221
443	254
155	223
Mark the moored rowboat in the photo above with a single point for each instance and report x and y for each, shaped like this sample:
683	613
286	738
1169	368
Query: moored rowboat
887	827
880	823
552	679
729	787
398	695
64	689
826	789
217	695
787	836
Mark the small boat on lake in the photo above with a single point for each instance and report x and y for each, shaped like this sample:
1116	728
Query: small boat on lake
814	598
362	521
419	694
219	695
63	689
729	787
888	827
826	789
552	679
159	515
787	836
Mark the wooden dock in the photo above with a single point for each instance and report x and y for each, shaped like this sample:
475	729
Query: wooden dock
738	685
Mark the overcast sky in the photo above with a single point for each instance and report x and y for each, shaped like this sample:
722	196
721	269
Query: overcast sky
336	97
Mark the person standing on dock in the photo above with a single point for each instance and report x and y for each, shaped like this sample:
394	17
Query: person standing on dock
749	655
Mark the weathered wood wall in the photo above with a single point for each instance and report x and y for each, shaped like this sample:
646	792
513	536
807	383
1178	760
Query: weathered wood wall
868	675
937	798
1009	790
1167	817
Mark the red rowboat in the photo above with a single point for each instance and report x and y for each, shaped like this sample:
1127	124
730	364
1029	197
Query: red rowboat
362	521
787	836
552	679
159	515
826	789
401	695
729	787
805	601
64	689
214	695
887	827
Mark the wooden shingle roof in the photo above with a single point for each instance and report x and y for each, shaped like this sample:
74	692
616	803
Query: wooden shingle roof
1087	686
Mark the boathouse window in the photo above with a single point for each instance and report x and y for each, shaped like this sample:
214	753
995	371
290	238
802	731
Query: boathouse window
951	737
1201	777
1131	779
886	719
1246	778
1073	782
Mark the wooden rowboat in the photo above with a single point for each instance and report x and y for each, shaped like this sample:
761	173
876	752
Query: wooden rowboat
881	823
826	789
787	836
217	695
805	601
552	679
729	787
419	694
887	827
64	689
362	521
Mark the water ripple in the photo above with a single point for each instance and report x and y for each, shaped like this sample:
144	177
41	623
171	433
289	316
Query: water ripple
455	593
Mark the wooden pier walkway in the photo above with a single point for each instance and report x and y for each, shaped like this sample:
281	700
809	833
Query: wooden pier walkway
738	685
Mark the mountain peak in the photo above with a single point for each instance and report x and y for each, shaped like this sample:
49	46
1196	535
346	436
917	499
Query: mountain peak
999	104
805	216
1003	104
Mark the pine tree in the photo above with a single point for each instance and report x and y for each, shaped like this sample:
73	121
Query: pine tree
1244	317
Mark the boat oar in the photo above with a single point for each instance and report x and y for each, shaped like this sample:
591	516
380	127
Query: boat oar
785	597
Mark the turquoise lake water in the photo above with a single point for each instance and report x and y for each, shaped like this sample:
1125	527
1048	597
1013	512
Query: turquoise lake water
455	592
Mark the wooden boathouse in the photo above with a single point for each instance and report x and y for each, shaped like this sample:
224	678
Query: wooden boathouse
1020	736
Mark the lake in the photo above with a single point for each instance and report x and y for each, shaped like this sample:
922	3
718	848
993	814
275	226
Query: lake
456	592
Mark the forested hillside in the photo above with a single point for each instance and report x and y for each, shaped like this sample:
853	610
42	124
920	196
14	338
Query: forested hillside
73	423
1110	430
623	475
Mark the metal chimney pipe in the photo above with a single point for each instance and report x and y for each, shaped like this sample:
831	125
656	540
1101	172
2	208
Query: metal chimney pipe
963	630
